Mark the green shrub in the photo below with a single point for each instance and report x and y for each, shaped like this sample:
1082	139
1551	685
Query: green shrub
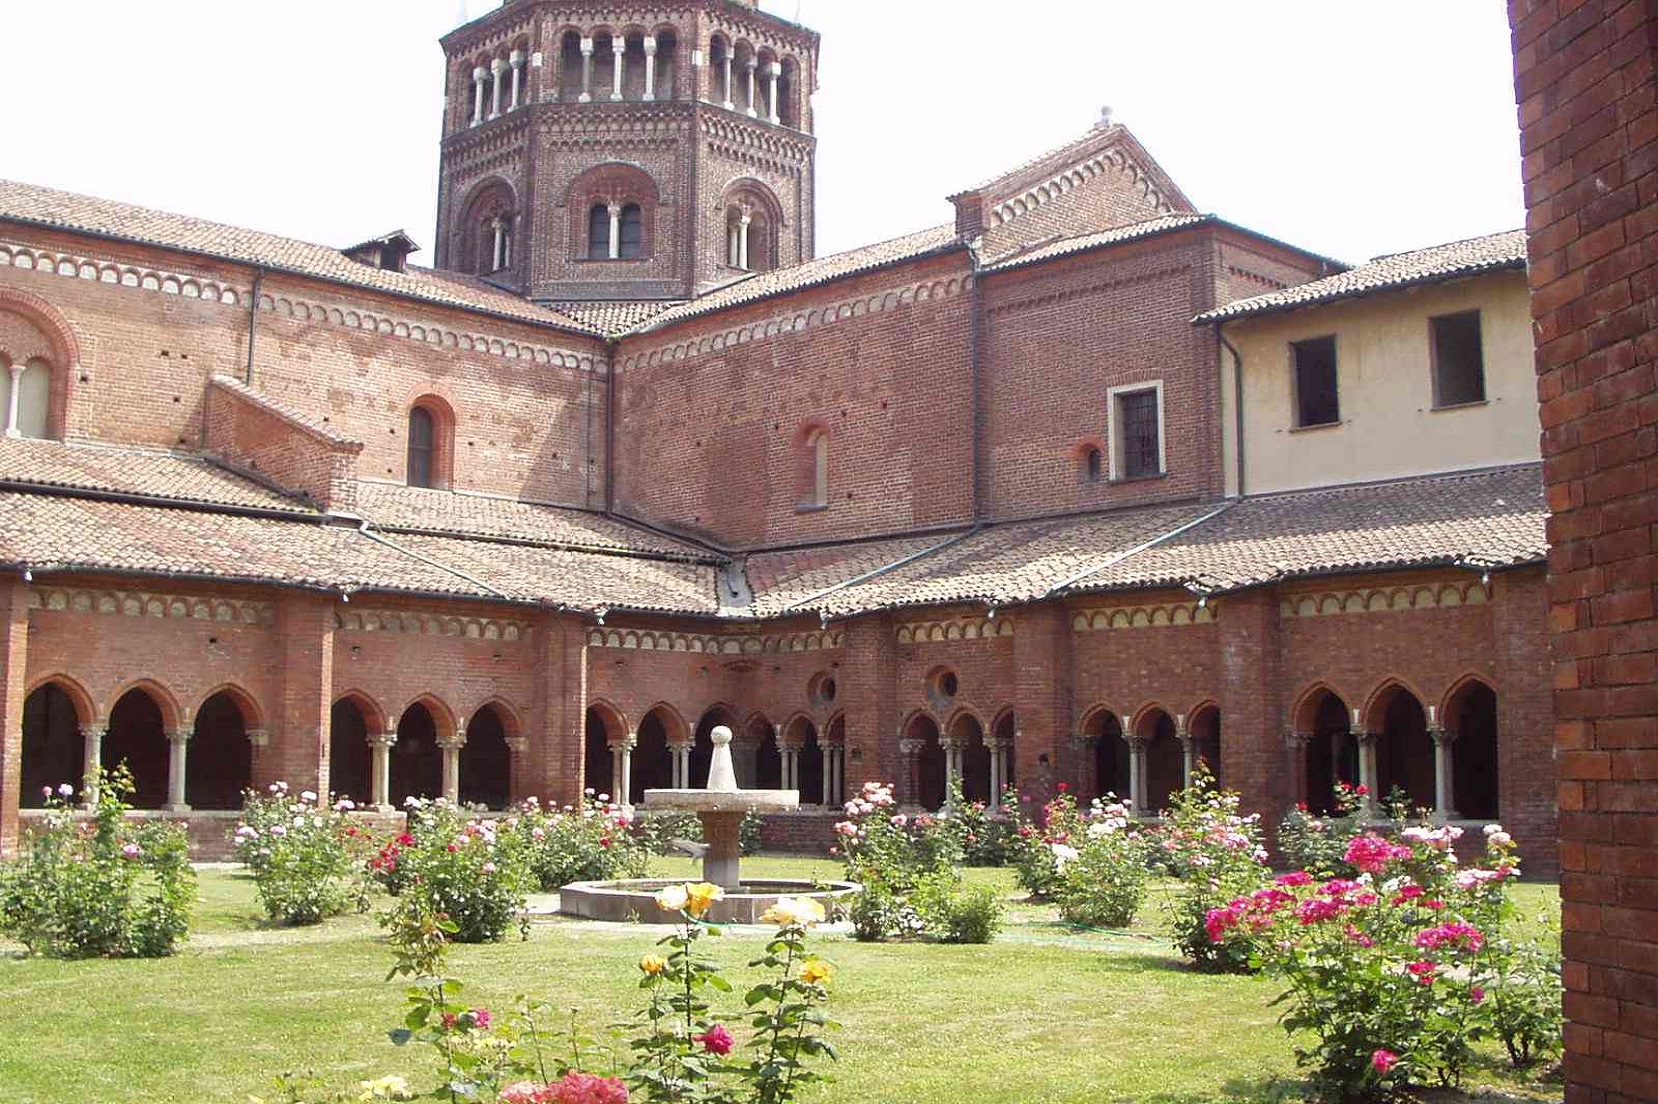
297	852
469	871
108	887
1216	853
590	843
955	913
1105	884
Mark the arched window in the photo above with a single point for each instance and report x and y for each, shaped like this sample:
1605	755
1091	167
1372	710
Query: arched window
1092	465
422	447
28	398
813	468
632	233
748	239
598	232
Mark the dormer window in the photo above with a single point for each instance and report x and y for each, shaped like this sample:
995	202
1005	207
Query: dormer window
389	251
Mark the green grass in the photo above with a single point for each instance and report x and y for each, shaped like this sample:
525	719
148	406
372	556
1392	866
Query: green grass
1046	1014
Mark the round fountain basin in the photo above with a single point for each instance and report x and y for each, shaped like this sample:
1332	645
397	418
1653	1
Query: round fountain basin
722	801
634	899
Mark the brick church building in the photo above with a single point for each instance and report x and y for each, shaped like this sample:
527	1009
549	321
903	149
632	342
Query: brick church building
1078	485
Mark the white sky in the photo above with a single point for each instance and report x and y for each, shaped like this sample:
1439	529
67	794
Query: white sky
1347	127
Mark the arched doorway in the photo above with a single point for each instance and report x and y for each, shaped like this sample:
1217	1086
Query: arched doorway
1205	730
486	762
137	736
930	773
653	767
53	750
1472	715
968	735
1165	760
1404	751
808	762
416	758
1332	752
1003	731
1110	765
598	766
350	762
219	765
768	758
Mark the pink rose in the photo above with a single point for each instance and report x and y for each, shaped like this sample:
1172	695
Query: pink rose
1383	1060
716	1040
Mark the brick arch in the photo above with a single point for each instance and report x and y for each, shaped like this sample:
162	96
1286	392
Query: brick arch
442	413
65	347
443	718
1459	689
1205	706
1304	713
673	724
913	717
837	720
613	719
620	182
173	715
757	718
1096	716
793	729
511	720
487	199
960	713
1147	714
86	712
374	715
252	716
1376	704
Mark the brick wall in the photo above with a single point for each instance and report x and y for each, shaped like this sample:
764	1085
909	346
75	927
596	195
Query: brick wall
257	438
1585	82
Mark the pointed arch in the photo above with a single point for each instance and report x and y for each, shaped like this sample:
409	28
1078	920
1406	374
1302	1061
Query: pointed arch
1096	719
1145	719
486	757
219	763
172	714
512	724
1460	689
673	724
374	715
1470	715
86	712
252	716
1203	724
1304	713
1377	702
796	728
1395	715
611	716
443	718
56	712
835	728
141	716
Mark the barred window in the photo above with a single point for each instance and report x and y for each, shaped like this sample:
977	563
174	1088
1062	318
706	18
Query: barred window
1138	434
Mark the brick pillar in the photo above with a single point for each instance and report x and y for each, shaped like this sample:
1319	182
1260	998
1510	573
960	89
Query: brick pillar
297	748
868	687
1252	750
1527	798
14	656
1042	646
1584	80
558	731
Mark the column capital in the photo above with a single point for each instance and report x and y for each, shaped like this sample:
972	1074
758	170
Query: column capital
178	736
452	743
95	730
751	63
615	209
479	73
624	745
382	739
498	65
1136	740
910	746
1365	737
650	45
516	57
1084	741
774	69
1295	741
587	46
259	737
1441	735
16	369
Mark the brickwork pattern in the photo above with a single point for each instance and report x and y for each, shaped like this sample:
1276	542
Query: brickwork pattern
1585	82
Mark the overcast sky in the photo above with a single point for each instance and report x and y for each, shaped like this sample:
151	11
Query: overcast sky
1346	127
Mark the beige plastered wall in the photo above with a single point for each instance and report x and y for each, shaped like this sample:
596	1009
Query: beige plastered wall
1389	427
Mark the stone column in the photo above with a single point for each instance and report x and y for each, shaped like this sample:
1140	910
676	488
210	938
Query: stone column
621	769
379	747
837	789
727	104
478	76
1295	744
618	55
496	68
615	231
742	240
92	758
1444	796
1136	770
586	70
499	244
751	65
178	754
452	769
650	68
516	60
1188	752
952	769
1367	769
909	751
828	755
518	750
773	71
13	399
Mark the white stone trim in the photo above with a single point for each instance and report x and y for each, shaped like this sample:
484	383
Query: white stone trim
969	627
1144	617
393	621
1326	603
1114	432
799	321
129	603
139	278
649	640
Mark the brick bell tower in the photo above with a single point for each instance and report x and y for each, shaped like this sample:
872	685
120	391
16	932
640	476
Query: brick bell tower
628	153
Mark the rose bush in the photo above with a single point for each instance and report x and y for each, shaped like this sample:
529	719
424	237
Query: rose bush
1217	854
104	887
1315	843
1397	971
1105	884
298	852
470	870
591	842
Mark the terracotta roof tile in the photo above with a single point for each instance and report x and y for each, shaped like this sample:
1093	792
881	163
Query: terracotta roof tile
939	239
394	508
109	218
1398	270
1083	242
784	579
616	318
116	469
1490	518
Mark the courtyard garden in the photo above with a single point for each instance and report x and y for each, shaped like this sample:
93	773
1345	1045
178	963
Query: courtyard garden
1105	977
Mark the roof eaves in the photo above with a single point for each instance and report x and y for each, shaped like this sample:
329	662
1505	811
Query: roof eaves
1240	309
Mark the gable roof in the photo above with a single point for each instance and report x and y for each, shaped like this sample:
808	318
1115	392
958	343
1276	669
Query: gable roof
107	218
1437	263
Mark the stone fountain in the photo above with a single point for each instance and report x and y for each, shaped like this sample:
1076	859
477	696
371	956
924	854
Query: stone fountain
721	806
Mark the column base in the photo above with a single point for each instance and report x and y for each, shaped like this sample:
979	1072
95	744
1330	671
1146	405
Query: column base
176	807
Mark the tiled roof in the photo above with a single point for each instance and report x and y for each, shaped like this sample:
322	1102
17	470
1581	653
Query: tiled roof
415	509
784	580
583	580
1398	270
616	318
939	239
115	469
1067	246
1490	518
105	217
1009	563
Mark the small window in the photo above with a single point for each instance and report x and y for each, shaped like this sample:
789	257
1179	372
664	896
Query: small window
1458	359
1317	401
1138	431
632	233
1092	465
813	468
422	446
598	233
31	406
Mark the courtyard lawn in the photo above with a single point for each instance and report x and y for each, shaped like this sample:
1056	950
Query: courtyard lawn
1045	1014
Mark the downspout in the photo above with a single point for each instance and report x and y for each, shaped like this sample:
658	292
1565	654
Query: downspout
1237	402
610	432
253	314
973	307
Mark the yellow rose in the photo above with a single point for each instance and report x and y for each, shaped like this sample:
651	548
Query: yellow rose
653	964
672	899
816	972
389	1087
800	912
701	896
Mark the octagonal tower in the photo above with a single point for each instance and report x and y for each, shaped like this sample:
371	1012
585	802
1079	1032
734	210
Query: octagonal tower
626	153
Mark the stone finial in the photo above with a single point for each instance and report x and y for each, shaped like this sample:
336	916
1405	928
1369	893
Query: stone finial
722	775
1104	119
